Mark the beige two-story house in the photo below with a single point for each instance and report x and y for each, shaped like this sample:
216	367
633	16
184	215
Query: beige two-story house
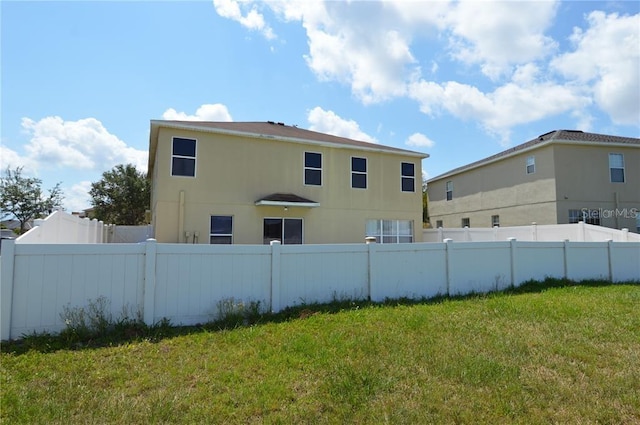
256	182
563	176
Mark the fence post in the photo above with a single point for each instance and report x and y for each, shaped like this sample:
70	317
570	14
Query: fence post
275	276
371	242
447	253
534	231
625	235
565	262
512	246
467	237
610	255
581	231
149	289
7	260
440	234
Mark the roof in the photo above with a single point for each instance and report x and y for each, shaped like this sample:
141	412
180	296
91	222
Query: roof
269	130
576	137
286	200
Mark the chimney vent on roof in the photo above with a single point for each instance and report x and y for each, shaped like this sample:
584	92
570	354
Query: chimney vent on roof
280	123
270	122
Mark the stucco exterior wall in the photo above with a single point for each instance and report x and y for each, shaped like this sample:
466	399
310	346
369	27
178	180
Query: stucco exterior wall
502	188
233	172
583	181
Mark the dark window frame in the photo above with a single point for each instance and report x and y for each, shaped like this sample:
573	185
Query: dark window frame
220	233
312	172
407	180
283	237
182	155
357	173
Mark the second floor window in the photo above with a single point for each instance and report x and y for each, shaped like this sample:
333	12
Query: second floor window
359	173
183	157
616	167
408	177
531	164
313	168
449	190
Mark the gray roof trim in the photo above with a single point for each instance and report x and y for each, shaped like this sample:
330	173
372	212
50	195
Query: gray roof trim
568	137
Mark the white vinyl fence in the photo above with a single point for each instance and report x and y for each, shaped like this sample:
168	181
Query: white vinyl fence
185	283
580	232
61	227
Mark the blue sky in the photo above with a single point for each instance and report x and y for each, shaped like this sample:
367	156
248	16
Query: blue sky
457	80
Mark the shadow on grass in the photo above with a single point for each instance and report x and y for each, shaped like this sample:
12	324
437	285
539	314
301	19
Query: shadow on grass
138	332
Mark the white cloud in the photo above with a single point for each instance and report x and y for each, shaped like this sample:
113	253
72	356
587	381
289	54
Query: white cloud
251	19
362	44
419	140
206	112
607	58
12	159
330	123
76	198
368	46
499	34
82	145
507	106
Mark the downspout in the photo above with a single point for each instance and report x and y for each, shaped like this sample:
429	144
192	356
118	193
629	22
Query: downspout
181	216
615	214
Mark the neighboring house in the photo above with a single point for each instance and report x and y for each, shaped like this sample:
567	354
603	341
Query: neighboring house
563	176
254	182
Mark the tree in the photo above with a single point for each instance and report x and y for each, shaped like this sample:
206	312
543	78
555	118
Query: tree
425	203
122	196
22	197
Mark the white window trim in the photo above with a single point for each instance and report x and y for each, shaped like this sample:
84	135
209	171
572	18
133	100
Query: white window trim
305	168
195	158
366	173
530	162
447	190
624	173
402	176
396	225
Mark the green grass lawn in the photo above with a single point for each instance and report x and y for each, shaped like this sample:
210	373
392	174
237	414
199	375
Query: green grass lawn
563	354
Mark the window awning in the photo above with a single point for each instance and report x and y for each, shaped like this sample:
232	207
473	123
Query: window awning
286	200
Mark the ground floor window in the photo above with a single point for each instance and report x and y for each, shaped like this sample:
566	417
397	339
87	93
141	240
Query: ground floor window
495	221
221	230
390	231
465	222
286	230
438	224
586	215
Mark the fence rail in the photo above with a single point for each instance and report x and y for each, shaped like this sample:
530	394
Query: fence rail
579	232
186	283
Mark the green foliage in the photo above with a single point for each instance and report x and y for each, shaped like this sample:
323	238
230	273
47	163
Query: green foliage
122	196
425	203
22	197
232	313
94	324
